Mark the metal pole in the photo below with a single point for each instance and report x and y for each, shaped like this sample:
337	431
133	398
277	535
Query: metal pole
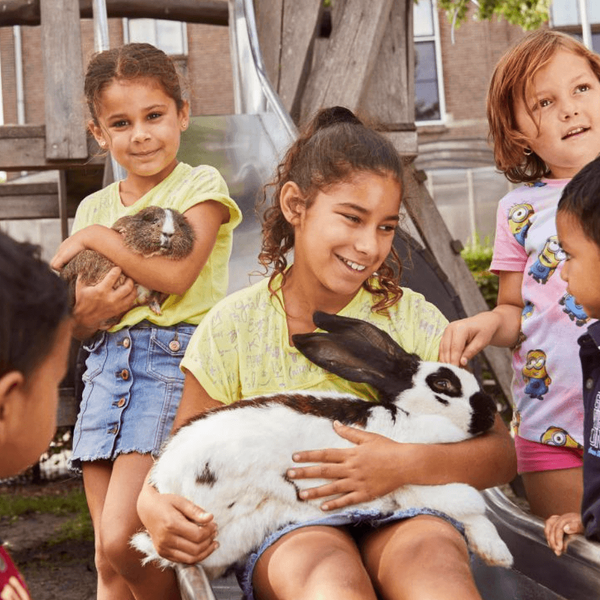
101	43
586	28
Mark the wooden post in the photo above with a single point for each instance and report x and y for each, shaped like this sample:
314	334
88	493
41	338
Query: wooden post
352	52
63	80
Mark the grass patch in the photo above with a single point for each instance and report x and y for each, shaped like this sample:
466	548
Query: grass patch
478	256
77	528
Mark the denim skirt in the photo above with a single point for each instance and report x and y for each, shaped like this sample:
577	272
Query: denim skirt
132	388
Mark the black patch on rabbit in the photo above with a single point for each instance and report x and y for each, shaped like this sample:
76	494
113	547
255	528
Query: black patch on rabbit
150	232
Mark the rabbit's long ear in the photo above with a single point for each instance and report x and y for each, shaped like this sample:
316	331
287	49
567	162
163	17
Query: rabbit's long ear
360	352
355	329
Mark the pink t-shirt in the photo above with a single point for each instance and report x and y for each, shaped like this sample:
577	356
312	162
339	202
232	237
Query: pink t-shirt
547	379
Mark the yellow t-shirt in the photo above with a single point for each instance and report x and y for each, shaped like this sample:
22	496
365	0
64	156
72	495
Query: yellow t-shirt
185	187
241	349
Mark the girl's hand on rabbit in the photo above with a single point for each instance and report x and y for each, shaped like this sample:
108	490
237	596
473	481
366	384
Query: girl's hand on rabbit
559	528
74	244
360	473
180	530
96	304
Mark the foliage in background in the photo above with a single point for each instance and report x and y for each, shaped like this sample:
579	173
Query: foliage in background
478	256
527	14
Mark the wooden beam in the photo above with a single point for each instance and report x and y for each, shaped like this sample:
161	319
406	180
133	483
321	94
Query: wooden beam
432	229
352	51
63	80
209	12
23	148
28	201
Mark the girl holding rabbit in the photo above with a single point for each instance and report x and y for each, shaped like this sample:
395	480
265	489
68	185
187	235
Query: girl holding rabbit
544	116
132	381
336	203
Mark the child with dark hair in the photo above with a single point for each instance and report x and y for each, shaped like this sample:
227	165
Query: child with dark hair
336	204
35	334
578	225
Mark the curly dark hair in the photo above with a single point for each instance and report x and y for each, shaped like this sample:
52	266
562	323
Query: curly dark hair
334	146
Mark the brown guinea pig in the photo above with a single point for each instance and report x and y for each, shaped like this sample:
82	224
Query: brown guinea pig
150	232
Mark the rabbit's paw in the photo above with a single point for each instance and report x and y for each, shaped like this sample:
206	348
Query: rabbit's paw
483	540
142	542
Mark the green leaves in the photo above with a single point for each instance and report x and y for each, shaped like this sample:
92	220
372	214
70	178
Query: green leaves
528	14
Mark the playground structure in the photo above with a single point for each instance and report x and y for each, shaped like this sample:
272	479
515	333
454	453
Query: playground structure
298	73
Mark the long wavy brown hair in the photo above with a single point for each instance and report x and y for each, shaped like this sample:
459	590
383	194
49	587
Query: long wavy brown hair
512	80
334	147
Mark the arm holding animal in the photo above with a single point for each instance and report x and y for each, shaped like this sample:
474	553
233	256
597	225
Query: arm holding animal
376	465
97	304
180	530
463	339
158	273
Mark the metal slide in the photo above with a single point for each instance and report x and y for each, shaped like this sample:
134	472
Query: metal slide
246	147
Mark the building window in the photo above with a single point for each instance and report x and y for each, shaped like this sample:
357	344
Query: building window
565	16
429	96
169	36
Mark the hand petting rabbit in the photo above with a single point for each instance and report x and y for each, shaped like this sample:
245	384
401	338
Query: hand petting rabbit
152	231
232	460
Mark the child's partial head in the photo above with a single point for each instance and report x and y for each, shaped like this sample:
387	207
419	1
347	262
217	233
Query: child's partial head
128	62
578	225
335	148
34	347
512	91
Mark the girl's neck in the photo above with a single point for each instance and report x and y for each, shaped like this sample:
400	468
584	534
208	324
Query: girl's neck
134	187
301	299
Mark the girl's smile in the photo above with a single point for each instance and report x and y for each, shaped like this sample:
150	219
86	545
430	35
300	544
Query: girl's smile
344	237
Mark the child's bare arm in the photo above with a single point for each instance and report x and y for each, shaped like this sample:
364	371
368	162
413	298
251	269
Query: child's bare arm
463	339
375	465
157	272
558	528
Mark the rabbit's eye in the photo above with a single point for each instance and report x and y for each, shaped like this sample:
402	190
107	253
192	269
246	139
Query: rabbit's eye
444	381
442	385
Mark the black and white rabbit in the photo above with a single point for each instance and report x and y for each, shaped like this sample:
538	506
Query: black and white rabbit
232	460
150	232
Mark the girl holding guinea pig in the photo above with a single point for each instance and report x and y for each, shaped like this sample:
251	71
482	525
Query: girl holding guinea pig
336	204
132	380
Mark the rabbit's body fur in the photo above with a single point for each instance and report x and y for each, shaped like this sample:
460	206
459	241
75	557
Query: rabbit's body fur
150	232
232	461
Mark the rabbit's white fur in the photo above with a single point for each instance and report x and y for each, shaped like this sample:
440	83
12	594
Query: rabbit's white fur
232	461
151	231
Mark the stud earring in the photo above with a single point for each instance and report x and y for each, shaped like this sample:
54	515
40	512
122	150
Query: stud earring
527	151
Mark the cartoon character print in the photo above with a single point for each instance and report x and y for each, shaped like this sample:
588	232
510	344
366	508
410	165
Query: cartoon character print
515	424
519	221
573	310
547	261
557	436
536	183
535	374
525	314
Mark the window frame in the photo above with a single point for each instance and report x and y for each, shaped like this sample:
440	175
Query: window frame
184	37
435	38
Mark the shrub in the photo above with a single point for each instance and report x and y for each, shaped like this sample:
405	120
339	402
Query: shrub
478	256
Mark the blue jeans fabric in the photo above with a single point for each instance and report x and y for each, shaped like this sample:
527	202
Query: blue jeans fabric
132	388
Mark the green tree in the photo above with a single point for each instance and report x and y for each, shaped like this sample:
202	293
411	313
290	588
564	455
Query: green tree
528	14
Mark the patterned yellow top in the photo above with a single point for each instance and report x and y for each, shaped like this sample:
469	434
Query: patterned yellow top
242	348
185	187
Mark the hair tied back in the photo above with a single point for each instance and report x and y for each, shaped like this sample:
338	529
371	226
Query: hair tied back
334	115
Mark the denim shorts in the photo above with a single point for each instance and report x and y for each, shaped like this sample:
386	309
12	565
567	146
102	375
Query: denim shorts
132	388
358	522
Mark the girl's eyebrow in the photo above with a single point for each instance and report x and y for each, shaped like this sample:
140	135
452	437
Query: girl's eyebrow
580	76
146	109
361	209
